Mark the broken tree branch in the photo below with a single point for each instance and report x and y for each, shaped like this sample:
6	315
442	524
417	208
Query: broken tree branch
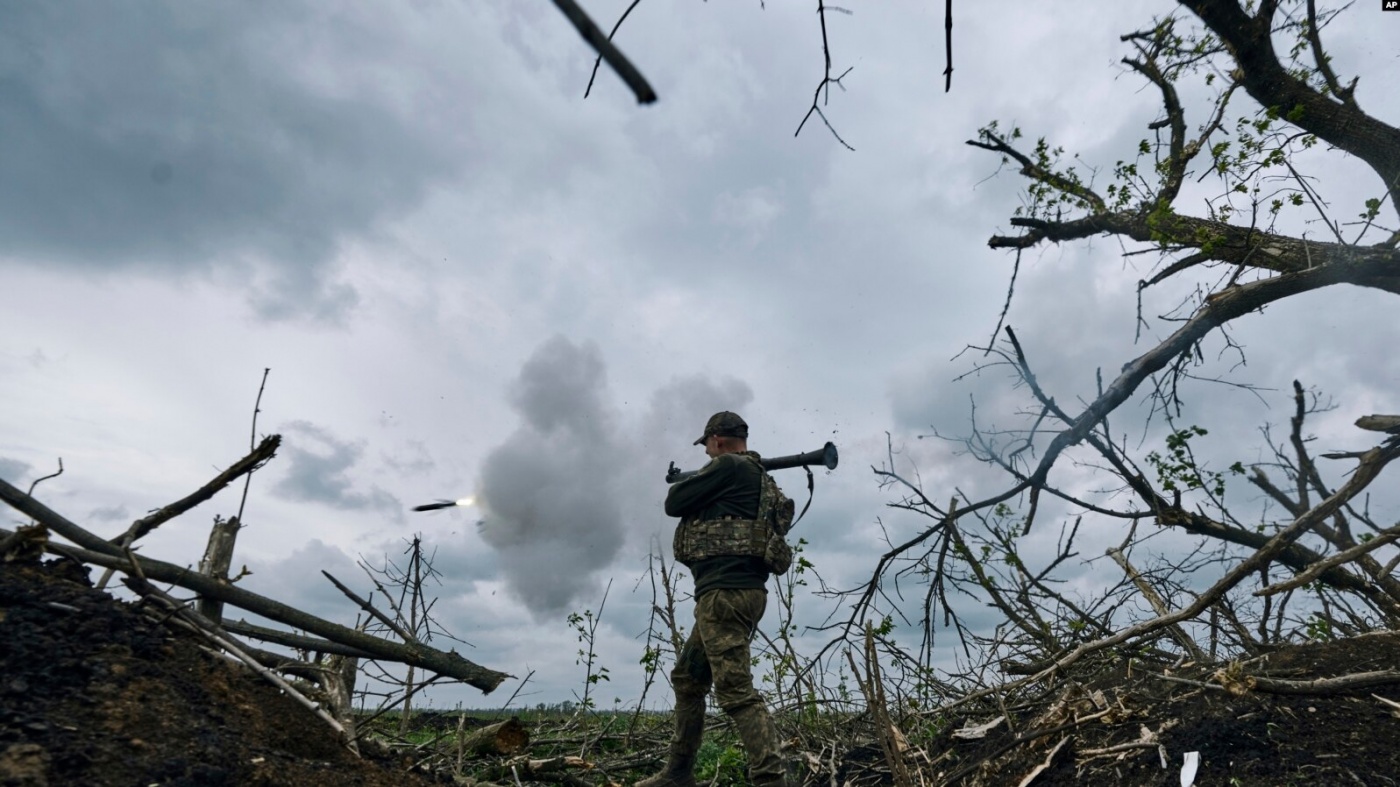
607	50
1372	462
1345	556
99	551
54	474
1337	685
370	608
287	639
256	458
1158	604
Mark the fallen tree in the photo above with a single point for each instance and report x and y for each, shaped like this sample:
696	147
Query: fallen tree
92	548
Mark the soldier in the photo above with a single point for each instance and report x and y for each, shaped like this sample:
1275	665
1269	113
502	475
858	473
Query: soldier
721	538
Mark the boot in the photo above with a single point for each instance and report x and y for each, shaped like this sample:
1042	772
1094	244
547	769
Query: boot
760	739
680	764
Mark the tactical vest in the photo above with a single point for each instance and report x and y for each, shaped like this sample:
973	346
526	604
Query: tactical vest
761	537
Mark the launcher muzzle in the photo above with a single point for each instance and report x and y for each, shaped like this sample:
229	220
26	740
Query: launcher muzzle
826	455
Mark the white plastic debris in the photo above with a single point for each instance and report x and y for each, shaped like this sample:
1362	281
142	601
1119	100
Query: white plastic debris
1191	761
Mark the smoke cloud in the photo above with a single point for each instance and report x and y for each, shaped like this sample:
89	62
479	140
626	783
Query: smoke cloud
549	493
578	479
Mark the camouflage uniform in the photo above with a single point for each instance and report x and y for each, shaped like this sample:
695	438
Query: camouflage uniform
731	595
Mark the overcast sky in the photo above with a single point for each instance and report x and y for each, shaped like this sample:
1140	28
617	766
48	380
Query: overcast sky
467	279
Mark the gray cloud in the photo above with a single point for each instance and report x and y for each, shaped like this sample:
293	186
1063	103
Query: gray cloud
680	408
413	459
13	470
318	468
296	577
117	513
174	137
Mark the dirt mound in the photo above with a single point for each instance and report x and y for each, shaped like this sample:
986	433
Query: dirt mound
93	692
1281	718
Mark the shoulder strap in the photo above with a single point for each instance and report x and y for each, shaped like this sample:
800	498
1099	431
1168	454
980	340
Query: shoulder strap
765	500
811	490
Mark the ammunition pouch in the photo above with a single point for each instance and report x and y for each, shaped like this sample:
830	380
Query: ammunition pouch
731	537
727	536
761	537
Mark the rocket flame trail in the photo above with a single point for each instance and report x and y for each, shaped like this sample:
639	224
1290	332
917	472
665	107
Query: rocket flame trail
465	501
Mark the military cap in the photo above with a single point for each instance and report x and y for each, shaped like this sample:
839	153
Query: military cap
725	424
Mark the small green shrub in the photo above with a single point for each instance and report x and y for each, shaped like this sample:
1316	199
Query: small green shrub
722	763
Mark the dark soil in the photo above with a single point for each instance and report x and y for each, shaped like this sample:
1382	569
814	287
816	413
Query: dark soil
95	692
92	692
1248	737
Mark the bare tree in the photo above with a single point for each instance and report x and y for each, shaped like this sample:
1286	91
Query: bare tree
1314	562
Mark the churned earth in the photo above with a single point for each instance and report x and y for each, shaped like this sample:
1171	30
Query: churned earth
1134	726
92	692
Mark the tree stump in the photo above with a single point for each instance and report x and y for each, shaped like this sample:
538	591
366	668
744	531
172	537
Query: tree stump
505	737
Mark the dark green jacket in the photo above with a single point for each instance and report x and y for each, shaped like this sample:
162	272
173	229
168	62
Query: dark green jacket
727	486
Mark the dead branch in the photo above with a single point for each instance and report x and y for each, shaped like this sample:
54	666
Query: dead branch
1380	423
1338	685
54	474
599	60
1158	605
337	679
252	436
1185	681
1371	465
255	459
827	80
1147	739
99	551
371	609
1387	536
1392	704
1045	765
948	36
872	685
526	767
290	640
607	50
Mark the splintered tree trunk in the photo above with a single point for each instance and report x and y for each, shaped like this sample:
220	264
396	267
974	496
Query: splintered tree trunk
218	555
415	602
407	712
506	737
339	682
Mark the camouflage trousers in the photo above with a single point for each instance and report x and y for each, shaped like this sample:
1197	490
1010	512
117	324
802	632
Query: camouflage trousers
716	656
